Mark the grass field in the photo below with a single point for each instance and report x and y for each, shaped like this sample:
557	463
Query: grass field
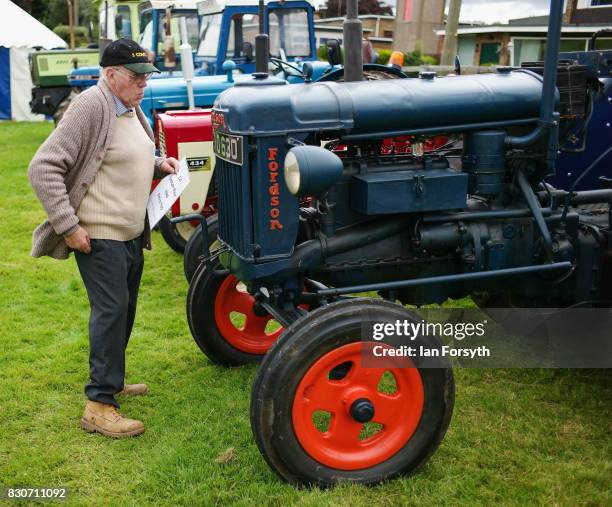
517	436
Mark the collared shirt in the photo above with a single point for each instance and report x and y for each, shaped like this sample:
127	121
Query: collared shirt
120	108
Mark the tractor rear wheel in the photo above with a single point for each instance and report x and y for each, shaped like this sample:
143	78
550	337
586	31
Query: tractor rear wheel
320	417
223	321
515	316
63	107
193	248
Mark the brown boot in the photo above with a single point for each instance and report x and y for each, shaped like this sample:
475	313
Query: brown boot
106	419
134	389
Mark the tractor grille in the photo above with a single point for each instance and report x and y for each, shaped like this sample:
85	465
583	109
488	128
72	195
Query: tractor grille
235	228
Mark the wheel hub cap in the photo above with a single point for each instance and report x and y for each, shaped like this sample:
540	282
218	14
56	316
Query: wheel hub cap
344	419
362	410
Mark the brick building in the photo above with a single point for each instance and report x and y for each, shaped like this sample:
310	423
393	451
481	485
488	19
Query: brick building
416	22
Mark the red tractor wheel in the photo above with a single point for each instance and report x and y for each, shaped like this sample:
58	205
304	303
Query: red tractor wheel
394	418
224	323
320	417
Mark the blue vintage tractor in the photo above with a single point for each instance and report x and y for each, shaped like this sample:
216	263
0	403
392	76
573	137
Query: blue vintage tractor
228	29
226	52
574	159
302	225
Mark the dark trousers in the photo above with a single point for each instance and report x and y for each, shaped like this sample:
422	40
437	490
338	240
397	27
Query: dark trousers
111	274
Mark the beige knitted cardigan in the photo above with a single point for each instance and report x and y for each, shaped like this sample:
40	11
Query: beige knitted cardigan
65	165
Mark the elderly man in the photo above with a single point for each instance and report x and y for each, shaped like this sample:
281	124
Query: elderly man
93	176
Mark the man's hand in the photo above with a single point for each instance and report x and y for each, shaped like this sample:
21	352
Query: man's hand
79	240
170	166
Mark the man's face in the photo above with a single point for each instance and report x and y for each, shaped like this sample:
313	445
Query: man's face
128	86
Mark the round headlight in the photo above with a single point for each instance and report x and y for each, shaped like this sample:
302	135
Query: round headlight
292	173
311	170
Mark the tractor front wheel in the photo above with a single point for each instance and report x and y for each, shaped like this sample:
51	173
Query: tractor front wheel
320	416
223	320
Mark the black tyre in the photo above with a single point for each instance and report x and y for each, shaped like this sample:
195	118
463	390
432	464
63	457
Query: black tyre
306	422
498	299
63	107
176	235
222	320
193	248
514	315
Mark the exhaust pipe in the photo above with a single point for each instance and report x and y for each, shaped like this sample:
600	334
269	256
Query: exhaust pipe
547	104
353	35
262	47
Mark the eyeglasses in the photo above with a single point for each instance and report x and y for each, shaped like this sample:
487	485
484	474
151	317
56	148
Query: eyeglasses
136	78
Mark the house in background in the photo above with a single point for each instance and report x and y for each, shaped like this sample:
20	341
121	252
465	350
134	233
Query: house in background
524	39
377	28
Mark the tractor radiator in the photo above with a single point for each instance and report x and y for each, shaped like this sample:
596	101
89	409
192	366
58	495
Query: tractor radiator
235	223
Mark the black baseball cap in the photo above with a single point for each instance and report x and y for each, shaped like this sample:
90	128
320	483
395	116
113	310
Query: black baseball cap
128	53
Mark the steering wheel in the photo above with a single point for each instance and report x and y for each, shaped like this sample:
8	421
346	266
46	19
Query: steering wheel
281	64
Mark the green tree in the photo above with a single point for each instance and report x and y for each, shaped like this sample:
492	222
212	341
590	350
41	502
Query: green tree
52	13
81	38
35	8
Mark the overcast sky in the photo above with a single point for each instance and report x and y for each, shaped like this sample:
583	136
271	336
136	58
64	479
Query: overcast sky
490	11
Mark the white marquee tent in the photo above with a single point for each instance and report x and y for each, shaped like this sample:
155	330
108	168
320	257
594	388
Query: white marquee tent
19	33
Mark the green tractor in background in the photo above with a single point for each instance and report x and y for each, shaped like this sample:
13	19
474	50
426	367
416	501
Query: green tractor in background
52	92
50	69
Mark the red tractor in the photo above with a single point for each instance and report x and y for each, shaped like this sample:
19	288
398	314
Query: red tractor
188	134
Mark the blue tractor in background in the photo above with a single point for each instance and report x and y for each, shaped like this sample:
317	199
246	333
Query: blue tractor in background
228	29
226	53
223	48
